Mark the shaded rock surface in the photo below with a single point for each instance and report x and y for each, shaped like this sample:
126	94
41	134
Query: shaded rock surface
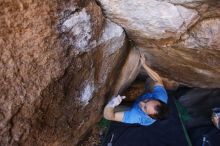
178	38
58	60
129	72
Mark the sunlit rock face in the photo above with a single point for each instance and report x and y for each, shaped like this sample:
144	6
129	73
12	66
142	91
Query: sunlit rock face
150	19
58	60
178	37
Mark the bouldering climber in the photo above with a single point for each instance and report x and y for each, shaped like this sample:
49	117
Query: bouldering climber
148	108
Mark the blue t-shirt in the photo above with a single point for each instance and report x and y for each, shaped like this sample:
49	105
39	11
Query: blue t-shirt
136	116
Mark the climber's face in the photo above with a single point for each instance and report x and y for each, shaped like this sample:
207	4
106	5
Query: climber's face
148	106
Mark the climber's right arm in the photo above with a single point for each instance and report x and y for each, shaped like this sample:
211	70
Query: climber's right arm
155	76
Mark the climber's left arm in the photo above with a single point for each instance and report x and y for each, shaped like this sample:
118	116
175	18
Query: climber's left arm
109	110
110	114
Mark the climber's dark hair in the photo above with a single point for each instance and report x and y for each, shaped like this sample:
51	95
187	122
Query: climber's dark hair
162	111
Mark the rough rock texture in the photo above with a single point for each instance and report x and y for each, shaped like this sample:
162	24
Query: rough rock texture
58	60
178	38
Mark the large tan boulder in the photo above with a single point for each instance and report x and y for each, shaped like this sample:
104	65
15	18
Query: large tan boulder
178	37
150	19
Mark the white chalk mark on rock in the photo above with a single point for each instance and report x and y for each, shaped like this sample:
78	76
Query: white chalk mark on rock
87	93
79	26
113	33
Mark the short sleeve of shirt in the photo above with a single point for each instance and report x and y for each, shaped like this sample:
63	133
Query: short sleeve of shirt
160	93
143	97
129	117
137	116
